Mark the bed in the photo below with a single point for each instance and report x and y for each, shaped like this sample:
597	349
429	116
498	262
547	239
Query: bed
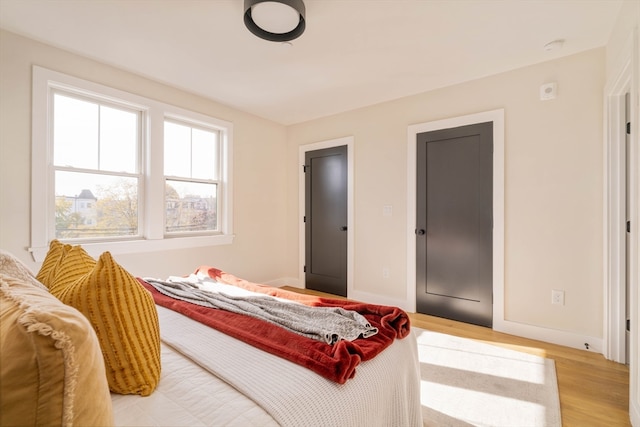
205	376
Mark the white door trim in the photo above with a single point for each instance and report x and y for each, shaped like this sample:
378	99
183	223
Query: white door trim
302	150
624	78
614	215
497	117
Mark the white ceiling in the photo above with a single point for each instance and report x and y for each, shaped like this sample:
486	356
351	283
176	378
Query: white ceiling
353	53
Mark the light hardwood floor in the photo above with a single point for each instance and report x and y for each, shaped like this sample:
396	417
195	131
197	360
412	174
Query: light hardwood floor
593	391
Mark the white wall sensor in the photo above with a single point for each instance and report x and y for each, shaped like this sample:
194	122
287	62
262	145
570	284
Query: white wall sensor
548	91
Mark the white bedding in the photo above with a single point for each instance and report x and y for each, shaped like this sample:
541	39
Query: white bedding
209	378
188	395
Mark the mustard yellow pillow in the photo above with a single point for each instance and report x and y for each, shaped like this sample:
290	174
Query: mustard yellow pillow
74	264
56	252
124	316
51	368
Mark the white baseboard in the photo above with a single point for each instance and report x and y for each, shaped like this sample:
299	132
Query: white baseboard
634	413
554	336
377	299
283	281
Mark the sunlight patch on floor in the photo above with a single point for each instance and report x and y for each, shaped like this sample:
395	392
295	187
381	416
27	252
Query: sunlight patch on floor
497	362
471	382
475	407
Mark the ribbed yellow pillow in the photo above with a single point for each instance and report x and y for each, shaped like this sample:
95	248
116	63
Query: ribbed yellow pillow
56	252
125	319
74	264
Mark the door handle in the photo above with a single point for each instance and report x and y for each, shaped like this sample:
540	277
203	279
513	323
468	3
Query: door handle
343	228
421	232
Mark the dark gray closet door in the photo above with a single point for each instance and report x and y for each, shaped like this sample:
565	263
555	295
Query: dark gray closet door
454	223
326	220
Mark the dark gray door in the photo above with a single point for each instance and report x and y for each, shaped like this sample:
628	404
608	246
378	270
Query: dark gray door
326	220
454	223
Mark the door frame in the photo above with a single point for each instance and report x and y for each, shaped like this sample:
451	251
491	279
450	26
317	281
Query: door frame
624	78
497	118
302	150
614	214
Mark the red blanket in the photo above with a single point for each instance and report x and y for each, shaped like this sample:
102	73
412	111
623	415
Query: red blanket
335	362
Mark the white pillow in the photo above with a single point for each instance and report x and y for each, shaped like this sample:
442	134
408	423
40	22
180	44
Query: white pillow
13	267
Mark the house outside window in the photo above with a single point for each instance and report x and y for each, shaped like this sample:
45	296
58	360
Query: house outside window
120	172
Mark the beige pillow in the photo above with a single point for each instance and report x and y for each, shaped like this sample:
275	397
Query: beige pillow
73	265
125	319
56	252
13	267
51	367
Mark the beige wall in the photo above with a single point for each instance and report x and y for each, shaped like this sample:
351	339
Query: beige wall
553	186
259	202
553	189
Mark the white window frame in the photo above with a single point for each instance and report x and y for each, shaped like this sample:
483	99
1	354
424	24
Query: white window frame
138	173
218	181
154	114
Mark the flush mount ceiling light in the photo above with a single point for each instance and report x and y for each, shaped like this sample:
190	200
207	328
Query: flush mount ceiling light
275	20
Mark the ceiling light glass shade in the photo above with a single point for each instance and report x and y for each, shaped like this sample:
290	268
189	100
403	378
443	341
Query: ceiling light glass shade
275	20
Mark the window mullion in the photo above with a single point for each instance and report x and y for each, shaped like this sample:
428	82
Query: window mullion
154	174
99	133
191	152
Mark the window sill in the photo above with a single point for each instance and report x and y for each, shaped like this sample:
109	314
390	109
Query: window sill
133	246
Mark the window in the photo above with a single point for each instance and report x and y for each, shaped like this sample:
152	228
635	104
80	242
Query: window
95	157
191	168
115	171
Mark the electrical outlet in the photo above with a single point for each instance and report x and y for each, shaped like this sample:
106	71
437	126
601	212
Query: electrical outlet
557	297
385	272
